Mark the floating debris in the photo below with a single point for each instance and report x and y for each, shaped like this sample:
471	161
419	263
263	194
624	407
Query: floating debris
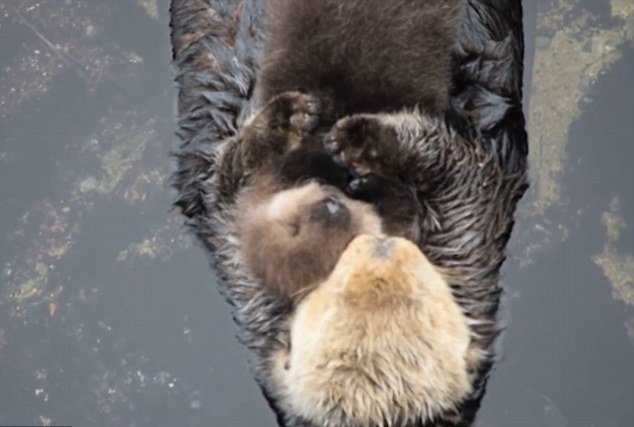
623	9
613	221
617	267
162	243
131	171
89	184
542	42
134	58
150	7
577	48
63	41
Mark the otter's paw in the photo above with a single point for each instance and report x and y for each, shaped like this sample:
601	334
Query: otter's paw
279	126
293	113
364	143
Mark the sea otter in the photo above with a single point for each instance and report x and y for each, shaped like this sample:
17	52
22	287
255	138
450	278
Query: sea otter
463	172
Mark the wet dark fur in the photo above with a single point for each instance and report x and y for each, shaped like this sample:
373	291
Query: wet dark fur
470	178
367	55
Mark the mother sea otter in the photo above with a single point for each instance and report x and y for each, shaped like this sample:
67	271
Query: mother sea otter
372	118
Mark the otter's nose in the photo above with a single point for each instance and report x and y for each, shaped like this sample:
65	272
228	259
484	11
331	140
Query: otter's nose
331	211
382	247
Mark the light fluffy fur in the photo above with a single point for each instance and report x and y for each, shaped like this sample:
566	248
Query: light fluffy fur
289	242
380	343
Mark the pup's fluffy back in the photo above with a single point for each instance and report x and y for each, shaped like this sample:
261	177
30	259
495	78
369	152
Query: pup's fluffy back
367	55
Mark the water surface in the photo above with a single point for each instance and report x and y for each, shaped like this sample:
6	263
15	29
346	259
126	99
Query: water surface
109	315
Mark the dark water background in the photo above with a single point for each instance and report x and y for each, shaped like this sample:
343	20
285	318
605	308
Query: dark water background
109	317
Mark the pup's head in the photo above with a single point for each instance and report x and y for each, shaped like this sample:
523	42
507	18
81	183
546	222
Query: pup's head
380	342
292	239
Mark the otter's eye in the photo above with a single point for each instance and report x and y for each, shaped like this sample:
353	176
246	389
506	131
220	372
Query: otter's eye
332	205
295	227
330	212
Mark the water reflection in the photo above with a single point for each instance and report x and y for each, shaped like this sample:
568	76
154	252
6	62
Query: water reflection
109	316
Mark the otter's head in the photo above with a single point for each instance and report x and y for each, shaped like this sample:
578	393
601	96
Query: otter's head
380	342
292	239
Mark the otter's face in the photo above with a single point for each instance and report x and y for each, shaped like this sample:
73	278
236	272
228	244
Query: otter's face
380	342
292	240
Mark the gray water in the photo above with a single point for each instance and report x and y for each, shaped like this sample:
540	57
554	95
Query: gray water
109	315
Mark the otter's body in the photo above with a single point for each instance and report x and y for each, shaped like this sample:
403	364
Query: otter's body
366	55
459	181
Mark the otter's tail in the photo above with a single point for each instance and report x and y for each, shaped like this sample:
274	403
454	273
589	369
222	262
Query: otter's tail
215	46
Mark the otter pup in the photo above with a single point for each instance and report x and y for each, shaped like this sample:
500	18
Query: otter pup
460	179
290	217
292	239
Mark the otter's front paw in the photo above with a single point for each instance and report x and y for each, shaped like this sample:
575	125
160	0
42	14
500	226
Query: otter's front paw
278	127
365	144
